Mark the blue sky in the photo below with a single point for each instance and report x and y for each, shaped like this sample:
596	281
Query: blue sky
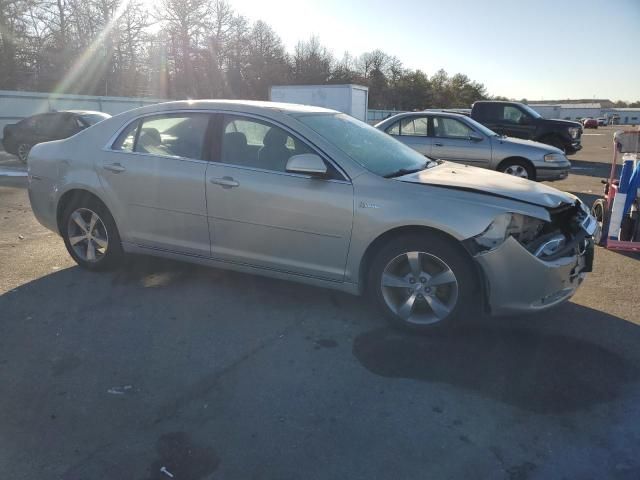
540	49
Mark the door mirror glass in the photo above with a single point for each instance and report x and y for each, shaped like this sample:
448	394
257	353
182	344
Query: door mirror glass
307	163
475	137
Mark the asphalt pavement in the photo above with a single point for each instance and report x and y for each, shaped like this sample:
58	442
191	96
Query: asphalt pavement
164	370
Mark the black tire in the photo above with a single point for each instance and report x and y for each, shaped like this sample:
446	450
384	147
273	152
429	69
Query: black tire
599	211
556	142
22	152
110	256
433	247
517	164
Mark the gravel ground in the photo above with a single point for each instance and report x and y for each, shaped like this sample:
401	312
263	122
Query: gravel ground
166	367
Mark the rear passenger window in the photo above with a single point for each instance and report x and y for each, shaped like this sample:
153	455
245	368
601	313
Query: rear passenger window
127	138
176	135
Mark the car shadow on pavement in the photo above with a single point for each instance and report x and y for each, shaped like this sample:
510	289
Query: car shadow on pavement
591	169
561	361
528	368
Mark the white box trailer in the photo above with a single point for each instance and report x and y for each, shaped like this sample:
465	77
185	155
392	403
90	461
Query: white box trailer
350	99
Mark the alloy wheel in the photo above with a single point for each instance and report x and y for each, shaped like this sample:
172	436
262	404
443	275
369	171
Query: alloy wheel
23	152
516	171
419	287
87	235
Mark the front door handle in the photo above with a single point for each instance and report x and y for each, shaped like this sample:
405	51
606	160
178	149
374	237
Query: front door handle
438	145
115	168
226	182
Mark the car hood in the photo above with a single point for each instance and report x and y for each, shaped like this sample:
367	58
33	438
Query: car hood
563	123
489	182
520	142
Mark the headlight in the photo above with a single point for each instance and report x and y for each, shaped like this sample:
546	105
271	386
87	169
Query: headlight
574	131
554	157
522	228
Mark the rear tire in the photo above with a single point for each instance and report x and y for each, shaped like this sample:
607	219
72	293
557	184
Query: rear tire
90	234
518	168
422	283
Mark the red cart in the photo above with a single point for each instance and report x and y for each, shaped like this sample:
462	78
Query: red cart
625	144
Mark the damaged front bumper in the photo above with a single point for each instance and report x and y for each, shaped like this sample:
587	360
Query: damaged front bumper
530	265
518	282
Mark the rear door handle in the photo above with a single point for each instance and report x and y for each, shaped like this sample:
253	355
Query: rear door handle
226	182
438	145
115	168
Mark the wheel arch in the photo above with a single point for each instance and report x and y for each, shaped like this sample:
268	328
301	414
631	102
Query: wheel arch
69	197
521	159
550	137
382	239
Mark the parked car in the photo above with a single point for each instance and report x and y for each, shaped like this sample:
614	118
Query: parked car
312	195
590	123
18	138
458	138
515	119
602	122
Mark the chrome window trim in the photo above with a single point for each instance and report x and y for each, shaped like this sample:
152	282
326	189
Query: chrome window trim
168	157
275	172
109	145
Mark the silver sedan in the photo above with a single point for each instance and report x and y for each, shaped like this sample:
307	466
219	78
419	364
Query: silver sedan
311	195
458	138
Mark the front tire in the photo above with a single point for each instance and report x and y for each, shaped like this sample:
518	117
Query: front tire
599	211
90	234
422	282
518	168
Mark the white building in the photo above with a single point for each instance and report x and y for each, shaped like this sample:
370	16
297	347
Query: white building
627	116
578	111
568	111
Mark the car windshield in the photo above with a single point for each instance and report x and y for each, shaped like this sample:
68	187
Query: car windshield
374	150
531	111
93	118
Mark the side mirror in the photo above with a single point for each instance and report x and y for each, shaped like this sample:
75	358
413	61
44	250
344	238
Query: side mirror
524	120
307	163
475	137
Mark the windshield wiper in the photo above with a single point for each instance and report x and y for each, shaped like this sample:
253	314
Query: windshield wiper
406	171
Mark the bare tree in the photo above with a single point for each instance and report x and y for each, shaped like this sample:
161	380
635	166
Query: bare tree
191	49
184	23
311	62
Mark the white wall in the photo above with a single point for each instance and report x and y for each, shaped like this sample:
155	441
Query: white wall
566	112
350	99
17	105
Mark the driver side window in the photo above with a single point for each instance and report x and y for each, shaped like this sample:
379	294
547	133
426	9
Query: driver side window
415	127
253	143
512	114
450	128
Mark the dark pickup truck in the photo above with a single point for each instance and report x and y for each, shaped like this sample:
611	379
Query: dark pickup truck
515	119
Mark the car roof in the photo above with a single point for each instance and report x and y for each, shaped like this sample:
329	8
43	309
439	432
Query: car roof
83	112
422	113
248	106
